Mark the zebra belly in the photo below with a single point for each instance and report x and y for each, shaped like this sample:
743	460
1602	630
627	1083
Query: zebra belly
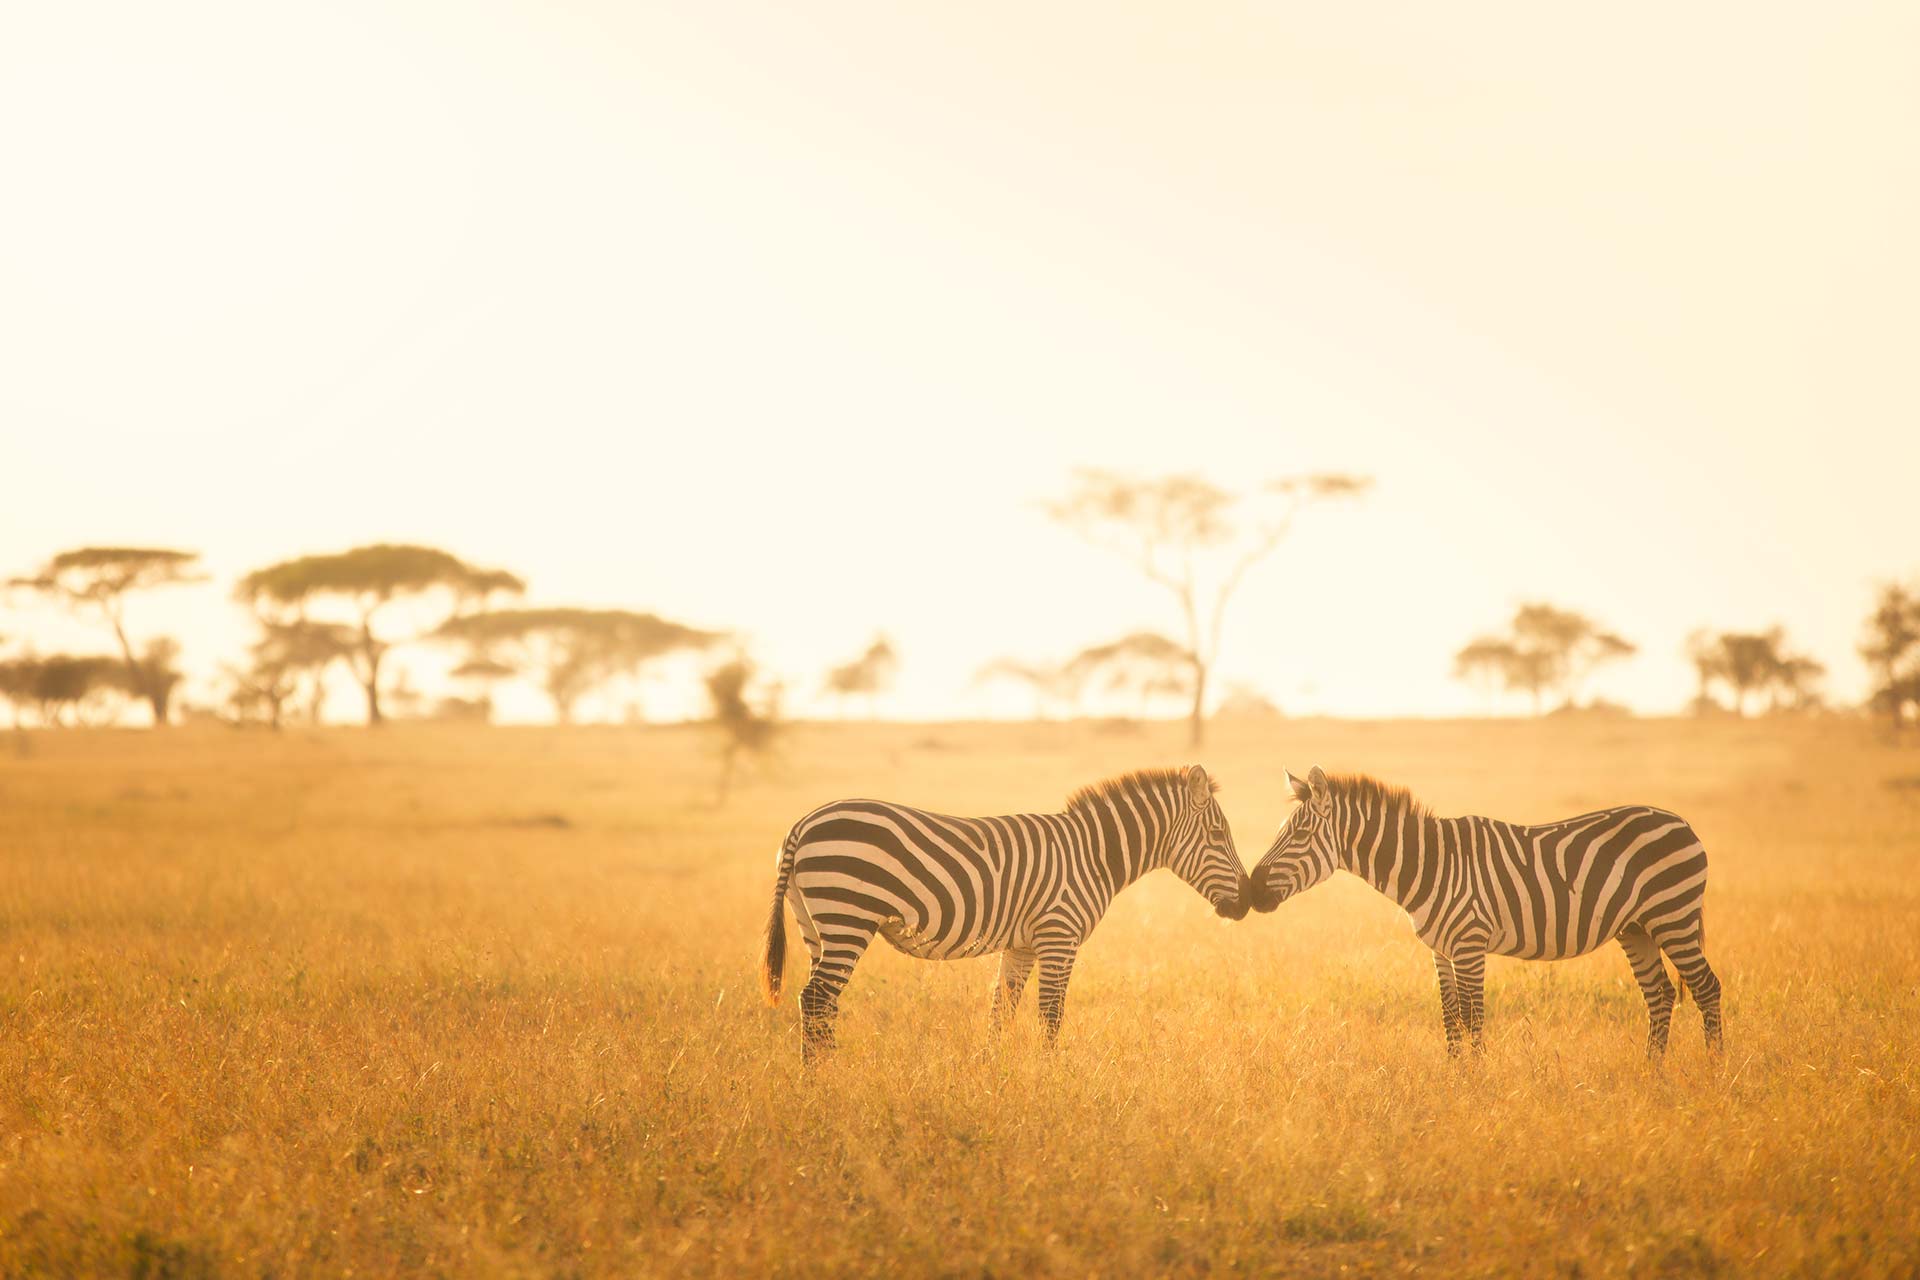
906	938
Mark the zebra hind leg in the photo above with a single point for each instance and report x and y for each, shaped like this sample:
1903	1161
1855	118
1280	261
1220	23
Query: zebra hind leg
1015	964
1470	978
1056	967
1687	950
1449	1003
842	943
1651	972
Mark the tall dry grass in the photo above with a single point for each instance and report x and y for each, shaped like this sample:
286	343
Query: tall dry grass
484	1002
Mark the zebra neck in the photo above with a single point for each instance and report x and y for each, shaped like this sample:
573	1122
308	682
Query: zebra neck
1123	843
1396	849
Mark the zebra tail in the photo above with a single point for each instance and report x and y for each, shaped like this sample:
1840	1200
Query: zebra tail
775	963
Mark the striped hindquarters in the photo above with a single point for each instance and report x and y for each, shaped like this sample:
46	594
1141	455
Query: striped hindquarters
1565	888
935	886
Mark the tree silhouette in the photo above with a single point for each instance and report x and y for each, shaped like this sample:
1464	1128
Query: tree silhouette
1891	647
483	674
746	712
368	581
1750	662
1168	527
1792	686
1145	663
1050	682
1485	662
62	687
572	652
870	674
1709	665
286	656
1546	650
101	578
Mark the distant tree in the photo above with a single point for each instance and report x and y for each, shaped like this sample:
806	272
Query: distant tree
1167	528
1246	702
868	675
572	652
483	674
1145	663
64	687
1749	663
101	578
1546	650
1485	662
1709	661
1891	647
1047	681
368	581
1792	685
286	657
746	711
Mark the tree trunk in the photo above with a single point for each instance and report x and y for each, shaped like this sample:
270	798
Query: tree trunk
138	679
370	654
1199	715
372	685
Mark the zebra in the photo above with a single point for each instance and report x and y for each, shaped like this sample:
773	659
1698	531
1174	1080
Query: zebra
1475	887
1029	886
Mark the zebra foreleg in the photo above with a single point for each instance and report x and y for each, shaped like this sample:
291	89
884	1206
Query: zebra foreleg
1056	967
1652	976
1015	964
1470	982
1449	1002
840	950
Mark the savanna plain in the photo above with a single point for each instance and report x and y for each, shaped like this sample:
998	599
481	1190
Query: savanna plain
471	1001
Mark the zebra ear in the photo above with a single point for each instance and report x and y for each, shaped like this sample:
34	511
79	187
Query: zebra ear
1199	786
1301	791
1317	786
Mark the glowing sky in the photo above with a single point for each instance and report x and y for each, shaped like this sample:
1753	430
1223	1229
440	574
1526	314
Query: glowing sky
785	318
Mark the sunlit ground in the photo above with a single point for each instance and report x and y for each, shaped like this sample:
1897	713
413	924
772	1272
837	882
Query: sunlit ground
469	1001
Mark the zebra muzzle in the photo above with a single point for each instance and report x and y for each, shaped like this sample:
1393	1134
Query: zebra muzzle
1262	897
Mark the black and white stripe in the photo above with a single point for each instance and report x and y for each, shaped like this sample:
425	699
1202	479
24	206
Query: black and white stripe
1475	887
1029	886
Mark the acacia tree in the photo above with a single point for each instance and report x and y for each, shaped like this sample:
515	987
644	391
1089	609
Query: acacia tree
1750	662
1051	683
287	656
367	581
1891	647
572	652
1146	663
88	687
1545	650
91	579
870	674
1173	527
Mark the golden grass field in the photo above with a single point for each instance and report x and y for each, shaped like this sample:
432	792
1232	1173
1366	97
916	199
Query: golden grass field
464	1001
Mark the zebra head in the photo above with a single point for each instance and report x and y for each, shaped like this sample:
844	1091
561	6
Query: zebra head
1304	853
1200	847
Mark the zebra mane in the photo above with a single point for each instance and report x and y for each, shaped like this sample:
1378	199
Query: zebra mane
1136	781
1383	796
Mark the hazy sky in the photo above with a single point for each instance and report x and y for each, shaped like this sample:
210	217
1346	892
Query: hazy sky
786	317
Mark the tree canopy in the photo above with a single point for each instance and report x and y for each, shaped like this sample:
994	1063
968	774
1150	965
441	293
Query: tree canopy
1891	647
1167	526
368	579
869	674
1750	662
1546	649
101	578
572	652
